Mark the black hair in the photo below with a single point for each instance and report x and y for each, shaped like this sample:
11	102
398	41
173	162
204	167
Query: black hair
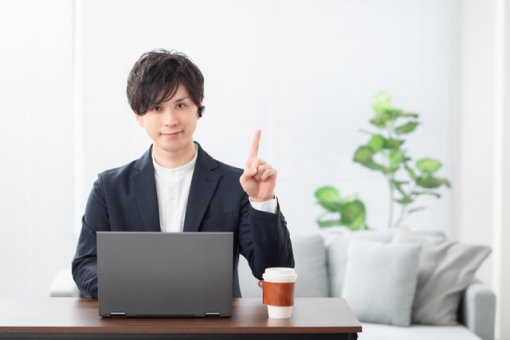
156	76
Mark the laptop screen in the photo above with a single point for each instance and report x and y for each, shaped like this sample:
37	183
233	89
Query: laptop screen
154	274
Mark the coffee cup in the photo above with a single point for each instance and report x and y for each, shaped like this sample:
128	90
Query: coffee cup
278	286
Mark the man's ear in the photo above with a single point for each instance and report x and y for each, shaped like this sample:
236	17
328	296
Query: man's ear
201	104
139	119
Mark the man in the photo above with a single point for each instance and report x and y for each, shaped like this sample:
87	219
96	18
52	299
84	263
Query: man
176	186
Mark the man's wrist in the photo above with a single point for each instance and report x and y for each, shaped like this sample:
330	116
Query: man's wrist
269	206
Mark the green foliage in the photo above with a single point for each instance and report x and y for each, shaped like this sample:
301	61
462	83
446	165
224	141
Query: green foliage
364	154
428	165
393	143
384	153
376	143
406	128
351	211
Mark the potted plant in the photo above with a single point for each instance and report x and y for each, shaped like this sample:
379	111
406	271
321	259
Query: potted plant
384	152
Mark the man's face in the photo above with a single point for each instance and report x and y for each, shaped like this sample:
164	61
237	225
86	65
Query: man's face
171	124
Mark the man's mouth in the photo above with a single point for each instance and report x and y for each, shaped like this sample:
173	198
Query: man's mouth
170	134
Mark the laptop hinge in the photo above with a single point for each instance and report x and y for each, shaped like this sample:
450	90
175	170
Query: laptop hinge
212	314
118	314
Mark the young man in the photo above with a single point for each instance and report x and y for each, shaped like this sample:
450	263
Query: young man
176	186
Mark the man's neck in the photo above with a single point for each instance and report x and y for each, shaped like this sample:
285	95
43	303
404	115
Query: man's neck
174	159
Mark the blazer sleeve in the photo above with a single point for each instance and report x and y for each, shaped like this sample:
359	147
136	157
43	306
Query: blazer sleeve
84	266
264	239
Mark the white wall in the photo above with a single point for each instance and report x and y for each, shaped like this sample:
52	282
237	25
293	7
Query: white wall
482	144
303	71
36	153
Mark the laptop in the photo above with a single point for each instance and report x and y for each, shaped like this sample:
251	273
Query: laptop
154	274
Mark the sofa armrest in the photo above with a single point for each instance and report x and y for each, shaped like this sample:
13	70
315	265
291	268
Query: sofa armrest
63	285
477	310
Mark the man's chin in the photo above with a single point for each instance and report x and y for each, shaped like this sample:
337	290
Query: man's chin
173	147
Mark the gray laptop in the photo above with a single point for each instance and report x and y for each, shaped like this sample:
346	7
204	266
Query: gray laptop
153	274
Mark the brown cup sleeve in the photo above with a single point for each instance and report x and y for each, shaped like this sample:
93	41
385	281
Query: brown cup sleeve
277	293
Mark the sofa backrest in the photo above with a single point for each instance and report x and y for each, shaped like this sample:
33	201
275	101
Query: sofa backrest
320	259
310	258
337	254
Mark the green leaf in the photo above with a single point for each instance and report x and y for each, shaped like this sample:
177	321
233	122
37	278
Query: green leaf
328	197
396	156
405	197
380	121
350	211
326	224
393	113
430	182
378	167
381	103
428	165
363	154
415	210
416	193
407	114
406	128
410	172
376	143
327	194
398	186
393	143
358	222
400	182
405	200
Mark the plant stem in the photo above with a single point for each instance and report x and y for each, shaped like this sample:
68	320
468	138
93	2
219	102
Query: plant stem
402	212
401	217
390	178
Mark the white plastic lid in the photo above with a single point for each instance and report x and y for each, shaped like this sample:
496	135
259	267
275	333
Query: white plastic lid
280	274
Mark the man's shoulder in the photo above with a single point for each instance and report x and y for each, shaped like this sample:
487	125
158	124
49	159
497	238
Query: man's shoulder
226	169
127	170
218	166
121	171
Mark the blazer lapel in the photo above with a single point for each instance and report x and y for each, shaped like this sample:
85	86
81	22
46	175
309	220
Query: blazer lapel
203	186
145	192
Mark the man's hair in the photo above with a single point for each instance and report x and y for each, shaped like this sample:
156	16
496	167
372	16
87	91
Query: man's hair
156	77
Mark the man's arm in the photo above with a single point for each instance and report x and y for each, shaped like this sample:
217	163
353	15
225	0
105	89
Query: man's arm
84	266
263	238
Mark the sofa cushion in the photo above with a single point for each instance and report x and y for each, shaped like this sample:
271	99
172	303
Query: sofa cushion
310	258
415	332
446	269
380	281
337	253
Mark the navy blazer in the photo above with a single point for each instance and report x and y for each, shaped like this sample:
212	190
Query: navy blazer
125	199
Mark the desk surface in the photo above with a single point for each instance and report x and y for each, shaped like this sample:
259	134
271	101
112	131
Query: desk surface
80	315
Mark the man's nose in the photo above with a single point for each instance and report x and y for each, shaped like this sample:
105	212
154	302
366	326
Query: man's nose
170	118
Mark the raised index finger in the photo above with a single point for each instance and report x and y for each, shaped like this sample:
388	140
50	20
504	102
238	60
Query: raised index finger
255	144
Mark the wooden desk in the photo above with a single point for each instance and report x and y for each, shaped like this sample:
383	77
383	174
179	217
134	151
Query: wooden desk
77	318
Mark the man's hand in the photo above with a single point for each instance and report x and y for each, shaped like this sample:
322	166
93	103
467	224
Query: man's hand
259	178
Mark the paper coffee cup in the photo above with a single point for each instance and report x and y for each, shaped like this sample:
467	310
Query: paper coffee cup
278	291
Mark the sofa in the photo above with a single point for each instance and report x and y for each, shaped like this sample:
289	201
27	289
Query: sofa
320	264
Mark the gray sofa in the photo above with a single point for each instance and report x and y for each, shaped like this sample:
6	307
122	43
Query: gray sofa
320	264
